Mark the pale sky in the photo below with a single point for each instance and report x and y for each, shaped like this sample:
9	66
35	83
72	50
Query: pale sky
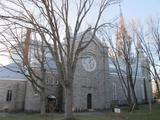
140	9
132	9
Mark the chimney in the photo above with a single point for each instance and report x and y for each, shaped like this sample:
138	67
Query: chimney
26	47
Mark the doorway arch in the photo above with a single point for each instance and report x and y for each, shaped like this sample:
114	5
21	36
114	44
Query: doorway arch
89	101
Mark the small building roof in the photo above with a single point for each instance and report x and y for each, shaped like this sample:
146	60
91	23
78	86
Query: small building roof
11	72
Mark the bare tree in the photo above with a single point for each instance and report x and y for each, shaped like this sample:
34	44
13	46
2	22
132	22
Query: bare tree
52	19
150	41
31	58
122	58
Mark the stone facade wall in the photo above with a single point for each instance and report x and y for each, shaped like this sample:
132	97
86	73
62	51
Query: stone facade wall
117	93
32	99
18	94
93	83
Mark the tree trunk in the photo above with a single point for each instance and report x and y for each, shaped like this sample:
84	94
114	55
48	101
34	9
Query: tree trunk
135	101
68	103
135	97
158	90
60	98
129	99
43	103
145	91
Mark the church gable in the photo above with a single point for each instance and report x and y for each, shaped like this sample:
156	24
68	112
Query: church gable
89	79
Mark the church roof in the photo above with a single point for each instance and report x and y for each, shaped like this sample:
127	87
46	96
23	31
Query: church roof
49	64
113	70
11	72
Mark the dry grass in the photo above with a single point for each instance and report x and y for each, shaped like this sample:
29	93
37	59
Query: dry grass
141	114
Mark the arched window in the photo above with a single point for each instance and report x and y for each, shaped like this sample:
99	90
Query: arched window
9	95
114	86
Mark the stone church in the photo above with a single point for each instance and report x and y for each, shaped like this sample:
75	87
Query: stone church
96	84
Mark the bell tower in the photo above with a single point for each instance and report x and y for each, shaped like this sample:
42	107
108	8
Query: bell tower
123	40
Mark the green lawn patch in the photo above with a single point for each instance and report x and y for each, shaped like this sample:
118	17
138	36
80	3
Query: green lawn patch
142	114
